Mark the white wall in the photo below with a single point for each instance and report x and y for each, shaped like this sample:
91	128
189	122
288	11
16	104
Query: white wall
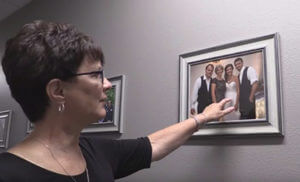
142	39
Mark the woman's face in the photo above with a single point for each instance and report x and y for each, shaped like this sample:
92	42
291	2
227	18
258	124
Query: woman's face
219	72
229	70
85	96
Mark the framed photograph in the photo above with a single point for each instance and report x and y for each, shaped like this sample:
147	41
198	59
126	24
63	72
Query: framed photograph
5	120
247	72
113	122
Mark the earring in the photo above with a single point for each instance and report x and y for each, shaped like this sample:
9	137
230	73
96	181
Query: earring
61	107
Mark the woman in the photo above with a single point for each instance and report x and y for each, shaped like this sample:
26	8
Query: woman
56	74
218	86
232	92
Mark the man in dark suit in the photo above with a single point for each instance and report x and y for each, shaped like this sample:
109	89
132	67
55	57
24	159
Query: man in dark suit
248	86
109	112
201	96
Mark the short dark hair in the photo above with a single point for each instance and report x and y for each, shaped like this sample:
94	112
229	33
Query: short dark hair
42	51
209	66
238	59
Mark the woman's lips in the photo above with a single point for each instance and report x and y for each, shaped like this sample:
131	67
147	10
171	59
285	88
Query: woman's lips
103	100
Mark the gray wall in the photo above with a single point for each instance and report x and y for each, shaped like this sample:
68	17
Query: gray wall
142	39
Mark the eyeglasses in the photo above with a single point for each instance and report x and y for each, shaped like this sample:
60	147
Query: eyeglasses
96	74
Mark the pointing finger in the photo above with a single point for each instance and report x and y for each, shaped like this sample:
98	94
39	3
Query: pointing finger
224	101
228	110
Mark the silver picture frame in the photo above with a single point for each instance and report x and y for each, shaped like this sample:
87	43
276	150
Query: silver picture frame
5	122
265	47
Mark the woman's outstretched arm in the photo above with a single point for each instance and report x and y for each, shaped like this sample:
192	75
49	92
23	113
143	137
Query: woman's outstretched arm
168	139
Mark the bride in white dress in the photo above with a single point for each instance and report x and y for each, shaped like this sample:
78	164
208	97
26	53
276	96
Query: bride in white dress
232	92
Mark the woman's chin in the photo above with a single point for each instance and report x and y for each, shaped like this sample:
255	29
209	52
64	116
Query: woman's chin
102	114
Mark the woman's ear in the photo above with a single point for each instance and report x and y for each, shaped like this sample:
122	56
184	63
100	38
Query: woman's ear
55	91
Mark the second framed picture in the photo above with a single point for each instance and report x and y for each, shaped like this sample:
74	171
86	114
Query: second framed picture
113	122
5	121
247	72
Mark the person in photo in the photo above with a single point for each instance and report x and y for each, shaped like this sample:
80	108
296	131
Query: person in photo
201	95
232	92
218	86
248	86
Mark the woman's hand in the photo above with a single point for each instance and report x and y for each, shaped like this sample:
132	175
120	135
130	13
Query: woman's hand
215	110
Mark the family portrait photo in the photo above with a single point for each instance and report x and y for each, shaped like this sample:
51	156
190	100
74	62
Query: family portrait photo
247	72
239	77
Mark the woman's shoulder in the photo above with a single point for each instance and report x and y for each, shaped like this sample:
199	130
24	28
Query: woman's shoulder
100	141
91	140
214	80
235	78
11	166
10	160
6	157
95	143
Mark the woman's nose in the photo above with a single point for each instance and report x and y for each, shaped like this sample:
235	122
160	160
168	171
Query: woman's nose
106	84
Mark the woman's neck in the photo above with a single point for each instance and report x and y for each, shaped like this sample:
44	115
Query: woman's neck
229	78
219	77
58	136
56	131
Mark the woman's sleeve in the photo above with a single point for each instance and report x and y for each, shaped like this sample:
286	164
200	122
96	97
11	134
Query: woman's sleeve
125	156
214	81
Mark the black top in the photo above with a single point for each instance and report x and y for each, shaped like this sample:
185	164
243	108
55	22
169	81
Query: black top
245	91
220	89
247	109
106	161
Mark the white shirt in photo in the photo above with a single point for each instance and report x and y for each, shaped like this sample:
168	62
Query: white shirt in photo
197	86
251	75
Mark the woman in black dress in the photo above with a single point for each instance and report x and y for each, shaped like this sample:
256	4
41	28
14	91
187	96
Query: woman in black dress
218	86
